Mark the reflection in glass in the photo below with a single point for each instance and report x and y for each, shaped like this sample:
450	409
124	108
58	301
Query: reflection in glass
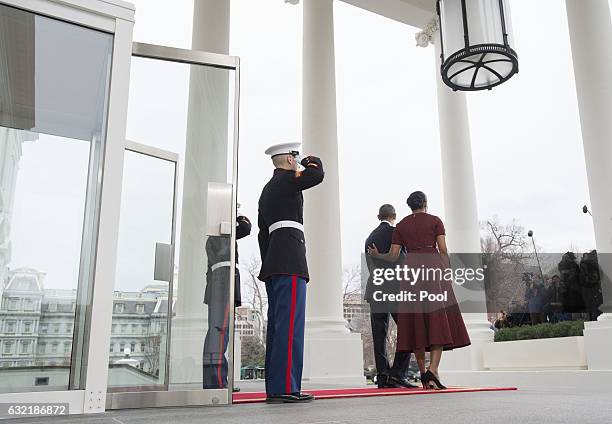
138	346
53	90
194	121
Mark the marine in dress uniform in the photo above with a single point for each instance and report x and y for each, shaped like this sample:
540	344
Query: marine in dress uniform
216	296
284	269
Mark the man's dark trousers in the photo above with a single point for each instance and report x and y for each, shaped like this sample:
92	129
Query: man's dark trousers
380	325
285	334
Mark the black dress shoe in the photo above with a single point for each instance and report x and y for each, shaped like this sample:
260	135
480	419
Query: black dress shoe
382	382
290	398
401	382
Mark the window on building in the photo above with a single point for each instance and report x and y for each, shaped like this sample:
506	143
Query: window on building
28	305
67	347
69	328
140	308
10	326
122	347
42	347
54	348
8	347
25	346
132	347
27	326
112	347
142	347
119	307
44	328
56	328
12	304
145	328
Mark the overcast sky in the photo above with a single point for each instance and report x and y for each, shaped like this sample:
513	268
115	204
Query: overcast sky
526	137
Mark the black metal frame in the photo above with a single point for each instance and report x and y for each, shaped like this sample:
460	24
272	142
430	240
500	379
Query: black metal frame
475	56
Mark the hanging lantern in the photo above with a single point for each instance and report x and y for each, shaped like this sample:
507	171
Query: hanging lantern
477	43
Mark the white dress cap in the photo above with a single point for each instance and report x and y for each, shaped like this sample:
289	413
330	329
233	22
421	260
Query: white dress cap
284	149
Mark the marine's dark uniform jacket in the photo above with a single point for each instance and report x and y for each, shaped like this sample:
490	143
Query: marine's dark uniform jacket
218	250
283	252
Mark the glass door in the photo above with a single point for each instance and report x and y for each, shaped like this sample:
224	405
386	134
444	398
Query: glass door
138	348
185	102
54	90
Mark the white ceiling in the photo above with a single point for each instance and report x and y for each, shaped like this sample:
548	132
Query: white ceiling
416	13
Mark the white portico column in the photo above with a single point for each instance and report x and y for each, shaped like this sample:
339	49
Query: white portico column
591	39
332	353
205	161
461	215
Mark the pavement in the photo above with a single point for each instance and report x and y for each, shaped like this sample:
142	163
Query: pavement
521	407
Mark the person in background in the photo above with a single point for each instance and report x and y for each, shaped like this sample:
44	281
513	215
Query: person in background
569	272
535	297
554	305
501	321
387	375
590	284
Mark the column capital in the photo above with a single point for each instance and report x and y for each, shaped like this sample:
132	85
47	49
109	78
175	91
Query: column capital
426	37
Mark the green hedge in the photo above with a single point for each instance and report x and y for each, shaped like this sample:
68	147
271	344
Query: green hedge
540	331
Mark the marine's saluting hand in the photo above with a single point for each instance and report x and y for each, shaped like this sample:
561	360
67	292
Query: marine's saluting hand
311	161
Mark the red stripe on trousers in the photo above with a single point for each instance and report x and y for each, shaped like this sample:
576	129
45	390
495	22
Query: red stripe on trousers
290	339
222	345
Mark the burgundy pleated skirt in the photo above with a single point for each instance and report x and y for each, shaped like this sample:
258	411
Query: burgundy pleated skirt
431	324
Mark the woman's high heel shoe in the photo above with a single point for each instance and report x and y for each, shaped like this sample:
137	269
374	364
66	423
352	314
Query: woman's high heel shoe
425	380
438	384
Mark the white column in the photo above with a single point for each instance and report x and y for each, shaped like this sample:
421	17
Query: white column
461	213
205	161
591	40
332	353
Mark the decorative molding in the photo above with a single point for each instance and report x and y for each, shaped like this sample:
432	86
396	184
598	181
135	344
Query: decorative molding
425	38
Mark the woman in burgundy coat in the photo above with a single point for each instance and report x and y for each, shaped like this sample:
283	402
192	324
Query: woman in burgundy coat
426	326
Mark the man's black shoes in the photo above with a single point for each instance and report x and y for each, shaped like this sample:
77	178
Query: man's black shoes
400	382
290	398
384	383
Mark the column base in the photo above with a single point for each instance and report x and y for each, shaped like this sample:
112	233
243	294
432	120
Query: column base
186	345
333	357
598	343
470	358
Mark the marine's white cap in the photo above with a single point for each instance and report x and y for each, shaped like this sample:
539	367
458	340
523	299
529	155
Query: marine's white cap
284	149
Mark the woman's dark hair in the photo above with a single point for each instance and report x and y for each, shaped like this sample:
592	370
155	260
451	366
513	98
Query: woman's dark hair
417	200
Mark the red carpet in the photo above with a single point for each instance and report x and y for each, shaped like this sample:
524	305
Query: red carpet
254	397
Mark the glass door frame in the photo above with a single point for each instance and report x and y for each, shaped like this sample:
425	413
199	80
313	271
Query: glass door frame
148	399
156	153
115	17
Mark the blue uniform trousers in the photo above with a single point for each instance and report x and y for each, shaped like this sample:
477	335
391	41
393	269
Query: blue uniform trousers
217	337
285	334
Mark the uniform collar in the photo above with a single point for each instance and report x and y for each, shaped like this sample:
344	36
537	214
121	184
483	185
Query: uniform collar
386	222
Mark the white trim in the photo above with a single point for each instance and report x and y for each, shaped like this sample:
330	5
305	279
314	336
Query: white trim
220	265
74	398
286	224
108	227
98	18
